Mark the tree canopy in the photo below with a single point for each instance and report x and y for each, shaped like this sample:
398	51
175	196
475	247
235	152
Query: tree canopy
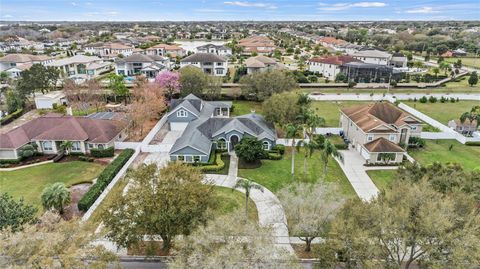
15	213
259	86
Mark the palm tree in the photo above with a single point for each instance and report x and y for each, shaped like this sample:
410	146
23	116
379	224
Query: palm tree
329	149
309	148
56	196
66	146
292	130
247	185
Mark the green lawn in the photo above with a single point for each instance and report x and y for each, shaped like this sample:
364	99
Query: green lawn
382	178
30	182
276	174
466	61
242	107
443	112
437	151
330	110
230	200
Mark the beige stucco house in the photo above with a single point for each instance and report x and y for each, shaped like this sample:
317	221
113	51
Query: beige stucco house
377	130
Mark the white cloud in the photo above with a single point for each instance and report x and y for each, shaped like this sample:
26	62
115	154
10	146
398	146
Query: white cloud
249	4
74	4
422	10
7	16
343	6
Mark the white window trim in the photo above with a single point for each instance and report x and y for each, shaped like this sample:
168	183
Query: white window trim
369	137
266	143
49	148
79	148
392	136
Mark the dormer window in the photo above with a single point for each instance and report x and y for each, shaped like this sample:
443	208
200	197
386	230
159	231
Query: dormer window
369	137
392	137
182	113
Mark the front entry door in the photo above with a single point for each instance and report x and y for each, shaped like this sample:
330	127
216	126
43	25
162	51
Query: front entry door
233	141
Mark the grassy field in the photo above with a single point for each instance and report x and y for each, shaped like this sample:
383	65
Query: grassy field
382	178
230	200
466	61
330	110
443	112
242	107
275	175
30	182
438	151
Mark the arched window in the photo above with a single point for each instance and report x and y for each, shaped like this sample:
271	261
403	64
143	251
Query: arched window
221	144
266	145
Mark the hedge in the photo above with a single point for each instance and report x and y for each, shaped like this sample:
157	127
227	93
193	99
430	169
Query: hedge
274	156
341	146
472	143
219	165
280	148
12	116
10	161
86	158
104	179
101	153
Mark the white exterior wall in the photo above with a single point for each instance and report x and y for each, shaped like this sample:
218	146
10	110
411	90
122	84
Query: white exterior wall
329	71
223	66
374	60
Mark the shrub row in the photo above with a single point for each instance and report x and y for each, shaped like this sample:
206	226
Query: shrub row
473	143
10	161
341	146
101	153
86	158
104	179
12	116
280	148
272	155
217	166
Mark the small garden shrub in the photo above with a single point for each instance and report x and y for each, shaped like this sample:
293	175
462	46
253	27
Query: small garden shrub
274	155
102	153
86	158
423	99
473	143
104	179
280	148
341	146
10	161
416	142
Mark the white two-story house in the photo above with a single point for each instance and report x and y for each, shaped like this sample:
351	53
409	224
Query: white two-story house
377	129
149	65
209	63
215	49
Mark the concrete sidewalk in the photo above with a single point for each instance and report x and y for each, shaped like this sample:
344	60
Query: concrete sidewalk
356	173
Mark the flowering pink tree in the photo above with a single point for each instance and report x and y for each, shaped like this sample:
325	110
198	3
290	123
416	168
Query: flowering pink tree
170	82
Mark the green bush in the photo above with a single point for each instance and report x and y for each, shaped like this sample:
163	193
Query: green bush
423	99
280	148
473	143
101	153
104	179
341	146
10	161
274	156
86	158
11	117
219	165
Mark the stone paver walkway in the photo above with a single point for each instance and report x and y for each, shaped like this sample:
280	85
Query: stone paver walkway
356	173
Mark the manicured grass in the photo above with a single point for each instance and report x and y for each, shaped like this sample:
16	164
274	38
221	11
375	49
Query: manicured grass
330	110
230	200
242	107
437	151
30	182
444	112
466	61
382	178
275	175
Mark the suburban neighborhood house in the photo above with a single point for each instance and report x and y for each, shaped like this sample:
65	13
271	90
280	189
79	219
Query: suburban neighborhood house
149	65
109	50
468	127
329	66
48	133
372	56
210	64
15	64
378	129
207	125
261	63
166	50
257	44
215	49
90	66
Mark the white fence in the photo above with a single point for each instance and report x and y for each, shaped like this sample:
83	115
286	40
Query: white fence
155	130
390	97
156	148
323	131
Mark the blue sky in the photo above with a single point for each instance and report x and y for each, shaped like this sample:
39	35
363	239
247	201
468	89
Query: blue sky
189	10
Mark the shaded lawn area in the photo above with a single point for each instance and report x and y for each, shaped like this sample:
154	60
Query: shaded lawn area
242	107
276	174
437	151
30	182
444	112
466	61
330	110
382	178
230	200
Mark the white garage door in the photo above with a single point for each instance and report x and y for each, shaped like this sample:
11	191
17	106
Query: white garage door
178	126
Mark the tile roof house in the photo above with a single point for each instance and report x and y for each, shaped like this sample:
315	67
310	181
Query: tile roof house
149	65
209	63
468	127
109	50
166	50
378	128
206	125
14	64
329	66
89	66
261	63
49	131
215	49
257	44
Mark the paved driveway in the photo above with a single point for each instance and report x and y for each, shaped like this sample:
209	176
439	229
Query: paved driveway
355	171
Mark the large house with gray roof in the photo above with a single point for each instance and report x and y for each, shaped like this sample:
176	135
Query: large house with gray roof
209	63
207	125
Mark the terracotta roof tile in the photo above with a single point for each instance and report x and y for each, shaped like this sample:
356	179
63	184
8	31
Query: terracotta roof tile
382	145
